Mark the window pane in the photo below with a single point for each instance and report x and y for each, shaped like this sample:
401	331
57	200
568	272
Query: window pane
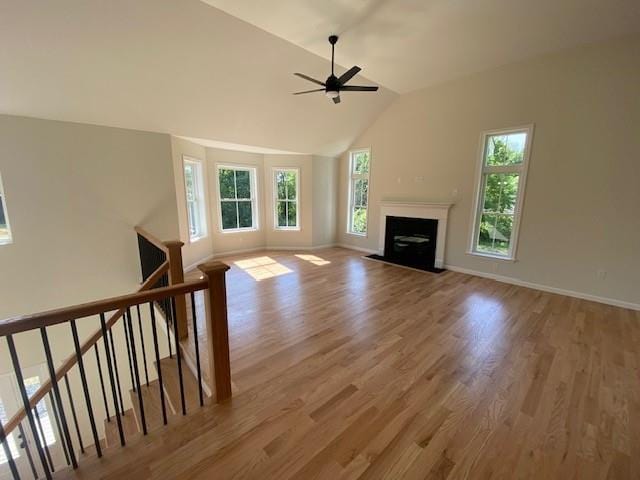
505	149
291	185
229	214
361	162
3	221
281	185
291	214
359	220
360	192
189	182
227	183
500	192
282	214
495	233
193	215
243	183
244	214
15	453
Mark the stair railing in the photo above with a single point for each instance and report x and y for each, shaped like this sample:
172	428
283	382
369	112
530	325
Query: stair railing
108	312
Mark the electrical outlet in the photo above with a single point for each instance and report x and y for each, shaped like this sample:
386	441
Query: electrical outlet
419	179
601	274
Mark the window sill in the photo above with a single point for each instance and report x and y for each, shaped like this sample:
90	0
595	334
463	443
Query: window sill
6	241
361	235
239	230
196	239
287	229
492	256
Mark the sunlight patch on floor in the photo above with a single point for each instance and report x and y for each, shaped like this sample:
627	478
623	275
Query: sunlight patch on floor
313	259
261	268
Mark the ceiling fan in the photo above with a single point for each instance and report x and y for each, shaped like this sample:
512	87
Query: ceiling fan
333	85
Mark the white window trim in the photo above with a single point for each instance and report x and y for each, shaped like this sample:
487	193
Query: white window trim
200	192
352	178
275	171
5	241
481	169
253	177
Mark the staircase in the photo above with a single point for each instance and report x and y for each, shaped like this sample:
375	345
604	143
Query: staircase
143	389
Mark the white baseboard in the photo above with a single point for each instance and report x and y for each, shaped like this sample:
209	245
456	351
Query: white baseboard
546	288
193	266
358	249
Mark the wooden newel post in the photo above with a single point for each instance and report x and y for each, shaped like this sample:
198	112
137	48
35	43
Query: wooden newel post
215	304
176	275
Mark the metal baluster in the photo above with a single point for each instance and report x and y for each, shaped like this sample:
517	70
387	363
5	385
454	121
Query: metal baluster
58	397
43	439
54	407
115	369
7	453
104	392
24	444
126	337
73	413
25	401
155	345
178	356
144	353
195	341
135	371
103	326
87	397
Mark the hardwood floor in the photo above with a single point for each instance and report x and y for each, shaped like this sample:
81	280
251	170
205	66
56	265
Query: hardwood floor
345	368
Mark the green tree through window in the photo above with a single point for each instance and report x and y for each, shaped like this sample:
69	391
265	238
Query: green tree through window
237	201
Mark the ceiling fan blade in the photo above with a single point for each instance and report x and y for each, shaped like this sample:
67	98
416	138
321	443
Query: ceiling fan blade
349	74
306	77
336	99
357	88
310	91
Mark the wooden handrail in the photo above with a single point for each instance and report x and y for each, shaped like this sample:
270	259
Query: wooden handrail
152	238
19	324
71	360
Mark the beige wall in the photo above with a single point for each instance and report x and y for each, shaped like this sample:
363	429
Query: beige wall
581	207
74	193
325	200
192	252
318	190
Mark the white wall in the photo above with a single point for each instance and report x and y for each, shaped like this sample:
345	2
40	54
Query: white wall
581	207
325	200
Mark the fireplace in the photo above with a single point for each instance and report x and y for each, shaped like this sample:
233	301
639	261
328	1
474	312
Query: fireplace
424	226
411	242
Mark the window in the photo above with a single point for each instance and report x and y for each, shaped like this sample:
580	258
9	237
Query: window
286	189
359	165
500	190
5	231
13	448
194	191
237	190
31	386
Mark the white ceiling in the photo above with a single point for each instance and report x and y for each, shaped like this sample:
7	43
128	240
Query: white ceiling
410	44
180	67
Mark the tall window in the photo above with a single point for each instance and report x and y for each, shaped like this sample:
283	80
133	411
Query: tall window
5	231
359	165
31	386
237	189
194	190
286	189
500	187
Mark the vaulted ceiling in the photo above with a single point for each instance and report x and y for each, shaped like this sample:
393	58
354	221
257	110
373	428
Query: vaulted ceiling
180	67
410	44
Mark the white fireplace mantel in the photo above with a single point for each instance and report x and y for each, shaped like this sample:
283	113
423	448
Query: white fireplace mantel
430	210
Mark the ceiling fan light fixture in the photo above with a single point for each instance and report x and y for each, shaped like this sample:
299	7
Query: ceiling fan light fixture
332	93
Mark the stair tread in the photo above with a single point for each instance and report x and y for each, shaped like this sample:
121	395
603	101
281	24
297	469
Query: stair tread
152	406
129	427
171	381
